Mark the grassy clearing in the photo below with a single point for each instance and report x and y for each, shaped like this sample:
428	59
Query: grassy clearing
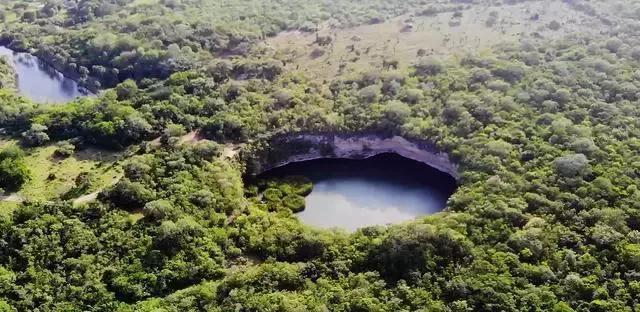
6	208
52	177
136	216
446	34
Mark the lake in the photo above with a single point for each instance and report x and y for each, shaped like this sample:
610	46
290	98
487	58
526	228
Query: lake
383	189
41	82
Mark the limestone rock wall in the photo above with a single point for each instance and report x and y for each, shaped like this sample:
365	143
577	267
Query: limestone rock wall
301	147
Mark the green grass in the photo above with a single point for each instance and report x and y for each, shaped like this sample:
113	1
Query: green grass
6	208
52	176
42	163
136	216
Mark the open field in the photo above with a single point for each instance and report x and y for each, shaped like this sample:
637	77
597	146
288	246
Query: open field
52	176
408	38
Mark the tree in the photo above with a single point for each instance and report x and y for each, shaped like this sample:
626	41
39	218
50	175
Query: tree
511	72
572	165
369	94
554	25
613	45
13	170
396	113
126	89
159	210
174	236
35	136
428	67
6	307
418	248
128	195
29	16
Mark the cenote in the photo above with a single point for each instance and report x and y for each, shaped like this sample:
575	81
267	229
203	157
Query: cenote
354	193
41	82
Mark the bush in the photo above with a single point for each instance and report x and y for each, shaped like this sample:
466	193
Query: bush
64	149
369	94
12	152
82	184
511	73
428	67
272	194
317	52
554	25
203	199
206	149
413	96
126	89
613	45
296	185
294	202
491	21
128	195
35	136
159	210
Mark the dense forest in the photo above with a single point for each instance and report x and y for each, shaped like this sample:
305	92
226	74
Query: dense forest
545	131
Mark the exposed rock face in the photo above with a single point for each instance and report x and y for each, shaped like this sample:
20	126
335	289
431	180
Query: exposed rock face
301	147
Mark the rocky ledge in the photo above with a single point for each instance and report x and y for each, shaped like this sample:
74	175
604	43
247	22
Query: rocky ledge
301	147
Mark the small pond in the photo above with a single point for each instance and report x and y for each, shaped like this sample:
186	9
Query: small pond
39	81
383	189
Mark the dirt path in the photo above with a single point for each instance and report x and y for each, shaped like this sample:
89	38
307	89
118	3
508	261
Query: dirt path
87	198
230	150
191	137
13	198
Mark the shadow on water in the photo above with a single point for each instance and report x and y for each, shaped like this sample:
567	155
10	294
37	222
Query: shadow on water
383	189
41	82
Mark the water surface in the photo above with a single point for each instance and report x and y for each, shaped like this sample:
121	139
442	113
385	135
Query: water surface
40	82
380	190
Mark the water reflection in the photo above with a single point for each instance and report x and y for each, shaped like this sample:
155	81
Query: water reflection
384	189
41	82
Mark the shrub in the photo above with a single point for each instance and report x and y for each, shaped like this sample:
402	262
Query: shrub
294	202
159	210
272	194
296	185
35	136
203	198
128	195
428	67
369	94
613	45
64	149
